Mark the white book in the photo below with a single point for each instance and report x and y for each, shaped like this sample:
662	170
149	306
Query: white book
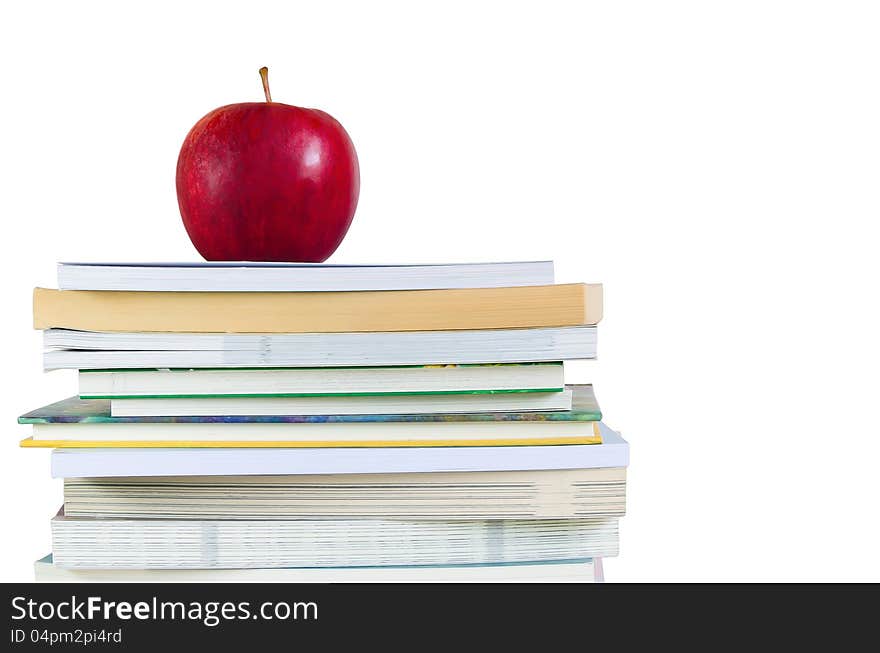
74	463
370	405
574	571
536	494
88	423
319	381
70	349
284	277
234	544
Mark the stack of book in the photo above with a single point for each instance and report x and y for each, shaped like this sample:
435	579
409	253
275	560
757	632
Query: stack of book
323	423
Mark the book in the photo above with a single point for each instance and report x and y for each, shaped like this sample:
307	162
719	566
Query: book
320	381
76	422
584	570
613	451
247	543
557	494
310	434
323	312
411	404
253	277
108	350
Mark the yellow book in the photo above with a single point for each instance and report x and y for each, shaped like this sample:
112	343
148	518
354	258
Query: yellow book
319	312
31	443
488	433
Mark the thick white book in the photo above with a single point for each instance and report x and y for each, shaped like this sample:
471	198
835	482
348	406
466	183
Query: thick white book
300	277
320	381
235	544
344	405
70	349
74	463
536	494
568	571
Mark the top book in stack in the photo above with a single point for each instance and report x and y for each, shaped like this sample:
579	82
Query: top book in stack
293	277
441	305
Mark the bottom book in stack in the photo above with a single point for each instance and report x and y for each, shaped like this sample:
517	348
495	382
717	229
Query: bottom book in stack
565	571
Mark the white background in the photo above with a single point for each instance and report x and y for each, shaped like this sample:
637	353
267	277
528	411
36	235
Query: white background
714	164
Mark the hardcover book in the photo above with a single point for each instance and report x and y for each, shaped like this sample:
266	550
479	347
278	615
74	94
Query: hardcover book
88	423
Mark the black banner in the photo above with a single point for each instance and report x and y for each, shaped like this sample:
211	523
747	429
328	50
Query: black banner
241	616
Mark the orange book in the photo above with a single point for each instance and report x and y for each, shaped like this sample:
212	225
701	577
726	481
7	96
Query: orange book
319	312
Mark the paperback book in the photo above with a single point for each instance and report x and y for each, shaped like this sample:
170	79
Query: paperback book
320	381
545	494
88	350
233	544
319	312
613	451
252	277
585	570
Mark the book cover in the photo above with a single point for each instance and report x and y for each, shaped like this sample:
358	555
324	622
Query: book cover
127	350
460	402
74	410
88	423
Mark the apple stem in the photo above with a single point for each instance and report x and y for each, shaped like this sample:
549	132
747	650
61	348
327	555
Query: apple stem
264	75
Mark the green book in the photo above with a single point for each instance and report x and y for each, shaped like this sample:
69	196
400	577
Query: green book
89	423
321	381
78	411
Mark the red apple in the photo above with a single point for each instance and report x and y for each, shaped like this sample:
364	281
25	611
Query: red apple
264	181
